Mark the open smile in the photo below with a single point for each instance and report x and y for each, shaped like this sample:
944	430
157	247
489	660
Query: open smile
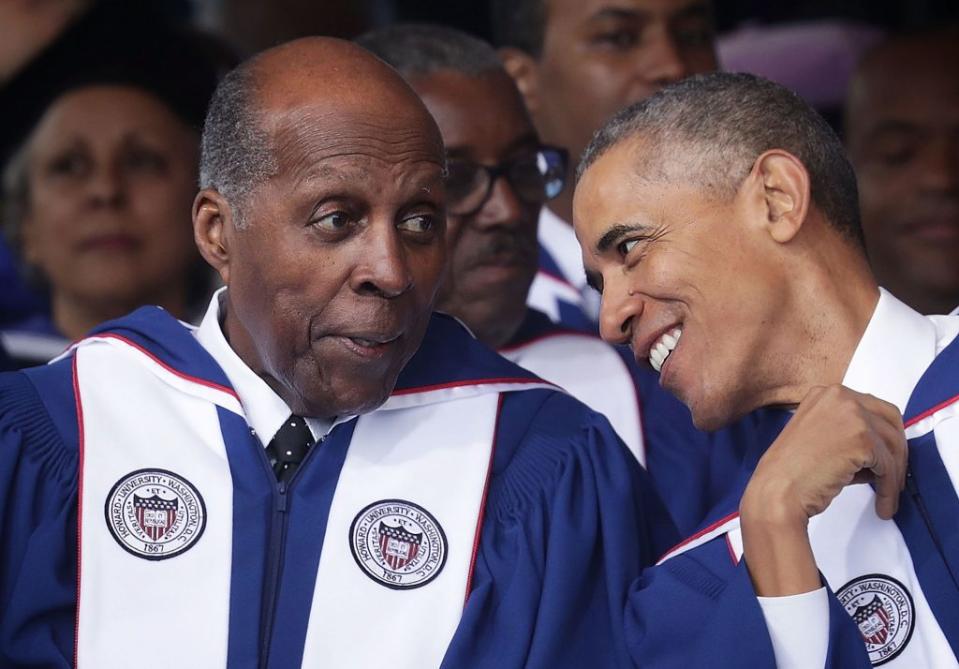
663	346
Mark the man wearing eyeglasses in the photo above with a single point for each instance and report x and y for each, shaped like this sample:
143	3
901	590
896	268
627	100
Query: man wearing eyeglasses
577	62
499	176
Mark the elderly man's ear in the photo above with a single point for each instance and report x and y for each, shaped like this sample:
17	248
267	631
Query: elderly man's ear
780	193
212	222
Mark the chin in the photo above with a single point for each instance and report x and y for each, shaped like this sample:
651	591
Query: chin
349	401
708	423
709	417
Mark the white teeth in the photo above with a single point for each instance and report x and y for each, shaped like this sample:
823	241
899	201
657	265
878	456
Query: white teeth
656	359
661	349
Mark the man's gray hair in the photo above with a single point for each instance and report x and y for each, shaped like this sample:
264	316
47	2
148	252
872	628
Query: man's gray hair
418	50
236	152
715	126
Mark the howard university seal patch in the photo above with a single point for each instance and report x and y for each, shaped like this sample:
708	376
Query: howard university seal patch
883	609
155	514
398	544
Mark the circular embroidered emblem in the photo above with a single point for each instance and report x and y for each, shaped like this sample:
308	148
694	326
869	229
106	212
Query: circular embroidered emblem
155	514
883	609
398	544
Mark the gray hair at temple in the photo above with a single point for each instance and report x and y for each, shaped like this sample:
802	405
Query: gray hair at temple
419	50
236	153
710	128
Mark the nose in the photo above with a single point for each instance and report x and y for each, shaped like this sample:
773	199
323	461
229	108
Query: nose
662	61
502	208
105	186
619	311
385	270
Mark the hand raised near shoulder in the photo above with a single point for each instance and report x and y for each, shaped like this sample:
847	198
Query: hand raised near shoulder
838	437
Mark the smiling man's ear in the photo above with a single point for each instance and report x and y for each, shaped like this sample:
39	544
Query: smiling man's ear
212	222
783	192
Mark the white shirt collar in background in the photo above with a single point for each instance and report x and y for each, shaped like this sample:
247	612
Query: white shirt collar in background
558	238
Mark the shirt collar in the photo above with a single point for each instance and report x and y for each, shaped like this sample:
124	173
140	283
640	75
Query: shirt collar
894	352
265	411
559	239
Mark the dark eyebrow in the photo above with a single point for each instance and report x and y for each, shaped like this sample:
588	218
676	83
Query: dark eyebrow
620	230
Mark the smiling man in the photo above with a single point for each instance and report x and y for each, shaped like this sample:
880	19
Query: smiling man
720	221
500	174
323	459
578	62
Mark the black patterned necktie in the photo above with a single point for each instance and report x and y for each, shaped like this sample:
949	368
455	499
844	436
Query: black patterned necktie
289	446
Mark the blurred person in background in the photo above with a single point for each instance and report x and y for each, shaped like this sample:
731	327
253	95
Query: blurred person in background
902	130
45	44
577	62
26	29
97	198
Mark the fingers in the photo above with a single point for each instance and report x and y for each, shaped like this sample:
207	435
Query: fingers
886	411
882	440
838	437
890	454
887	486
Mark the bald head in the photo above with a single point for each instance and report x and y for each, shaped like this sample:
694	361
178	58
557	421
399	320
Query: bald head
327	73
297	92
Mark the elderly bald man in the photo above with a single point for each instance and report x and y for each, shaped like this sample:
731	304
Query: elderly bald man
323	473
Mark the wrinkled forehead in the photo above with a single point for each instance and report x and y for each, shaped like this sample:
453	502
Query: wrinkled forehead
306	140
340	103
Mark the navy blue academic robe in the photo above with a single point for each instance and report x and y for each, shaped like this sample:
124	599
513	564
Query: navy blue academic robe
570	519
706	587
